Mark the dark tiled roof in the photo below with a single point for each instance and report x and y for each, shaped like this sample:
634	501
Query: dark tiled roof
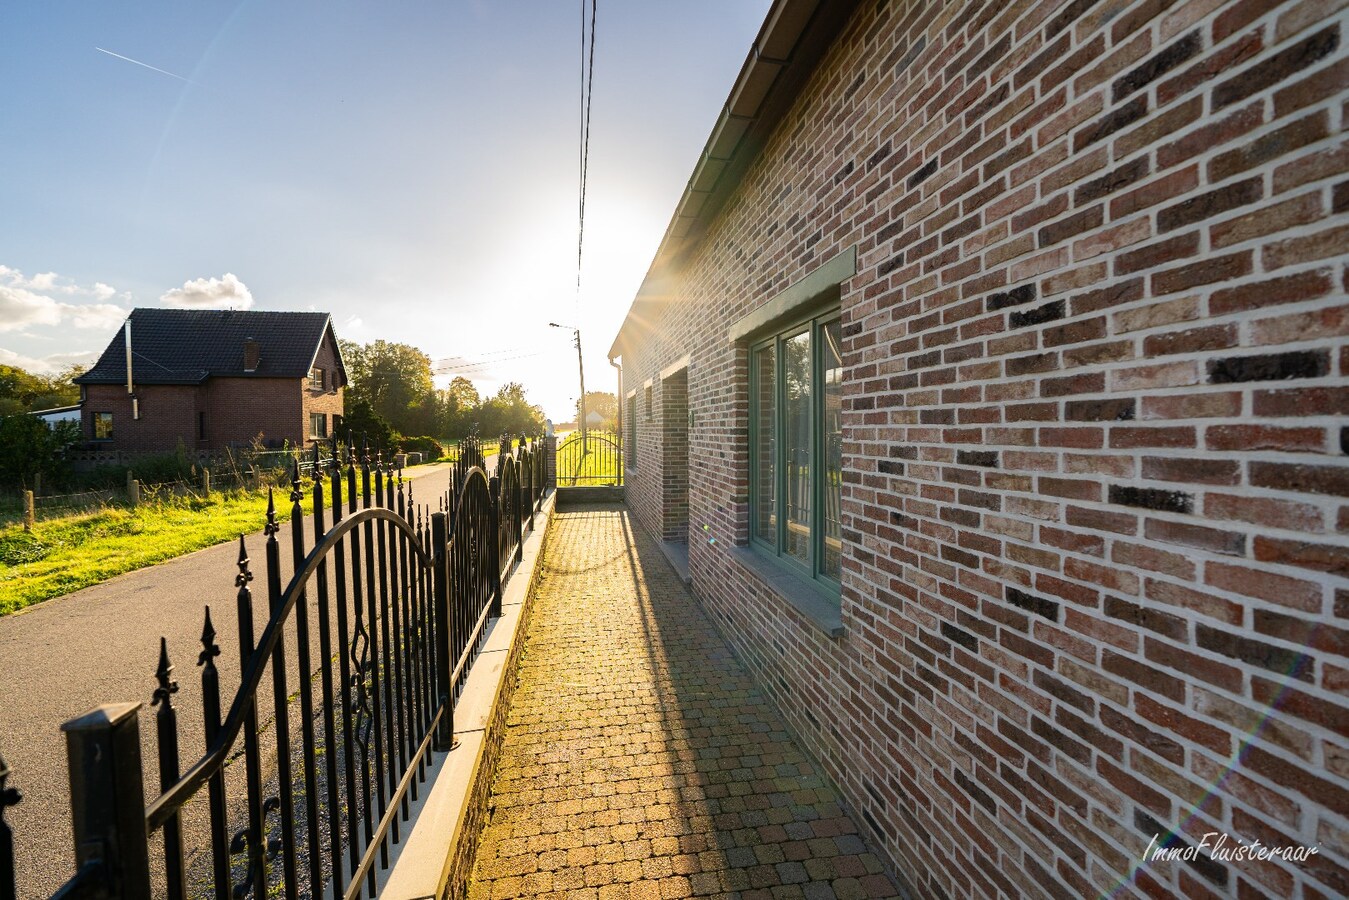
187	346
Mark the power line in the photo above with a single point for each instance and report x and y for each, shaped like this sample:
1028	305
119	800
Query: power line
445	367
587	84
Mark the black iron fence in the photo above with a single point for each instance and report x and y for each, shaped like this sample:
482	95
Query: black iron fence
384	615
590	458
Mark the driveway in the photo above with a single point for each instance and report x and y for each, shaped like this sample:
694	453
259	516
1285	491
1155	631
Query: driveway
101	645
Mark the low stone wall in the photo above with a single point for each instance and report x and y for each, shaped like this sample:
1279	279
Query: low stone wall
436	859
577	496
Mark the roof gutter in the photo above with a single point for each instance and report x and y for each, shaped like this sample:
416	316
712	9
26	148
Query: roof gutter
794	36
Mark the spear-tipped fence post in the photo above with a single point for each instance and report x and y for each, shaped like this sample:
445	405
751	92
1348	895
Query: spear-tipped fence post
440	586
210	710
166	731
494	543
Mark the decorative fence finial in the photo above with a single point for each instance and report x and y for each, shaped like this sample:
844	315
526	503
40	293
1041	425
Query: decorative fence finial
295	493
271	528
209	648
242	579
167	686
8	796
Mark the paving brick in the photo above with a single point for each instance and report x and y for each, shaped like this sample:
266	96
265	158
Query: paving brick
640	759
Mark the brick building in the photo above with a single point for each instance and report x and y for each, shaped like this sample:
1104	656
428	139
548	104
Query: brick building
993	368
208	379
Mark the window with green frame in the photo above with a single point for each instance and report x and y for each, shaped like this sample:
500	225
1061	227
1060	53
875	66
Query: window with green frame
630	451
796	447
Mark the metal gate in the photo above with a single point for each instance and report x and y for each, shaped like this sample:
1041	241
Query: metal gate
392	599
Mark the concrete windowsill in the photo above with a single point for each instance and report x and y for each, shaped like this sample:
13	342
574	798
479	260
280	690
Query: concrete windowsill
802	596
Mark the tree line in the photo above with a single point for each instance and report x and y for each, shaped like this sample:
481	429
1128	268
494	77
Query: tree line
391	396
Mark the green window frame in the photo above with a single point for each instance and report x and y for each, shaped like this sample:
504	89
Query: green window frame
630	451
796	448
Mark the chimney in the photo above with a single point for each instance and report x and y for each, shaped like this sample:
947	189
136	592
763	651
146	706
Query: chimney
252	355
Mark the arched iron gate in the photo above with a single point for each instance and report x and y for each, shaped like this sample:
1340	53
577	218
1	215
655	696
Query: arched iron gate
589	459
401	597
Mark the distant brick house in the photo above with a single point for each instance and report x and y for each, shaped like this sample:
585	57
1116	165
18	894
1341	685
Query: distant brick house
994	370
209	379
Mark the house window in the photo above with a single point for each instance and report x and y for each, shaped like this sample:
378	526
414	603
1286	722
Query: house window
631	452
318	425
796	446
102	426
316	378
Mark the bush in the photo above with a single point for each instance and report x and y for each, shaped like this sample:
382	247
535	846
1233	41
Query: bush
364	425
429	447
29	446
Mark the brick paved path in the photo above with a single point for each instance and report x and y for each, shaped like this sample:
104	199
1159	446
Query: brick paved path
640	761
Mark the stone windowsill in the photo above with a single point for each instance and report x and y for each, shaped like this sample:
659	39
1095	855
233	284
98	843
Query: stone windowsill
804	597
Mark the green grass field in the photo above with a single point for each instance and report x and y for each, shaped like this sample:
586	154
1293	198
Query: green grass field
597	467
71	552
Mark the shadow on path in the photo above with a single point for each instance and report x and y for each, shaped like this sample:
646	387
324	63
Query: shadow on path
640	760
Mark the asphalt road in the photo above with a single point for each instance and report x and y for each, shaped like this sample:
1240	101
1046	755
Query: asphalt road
99	645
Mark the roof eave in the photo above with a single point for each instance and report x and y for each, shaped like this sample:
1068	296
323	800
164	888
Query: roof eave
792	40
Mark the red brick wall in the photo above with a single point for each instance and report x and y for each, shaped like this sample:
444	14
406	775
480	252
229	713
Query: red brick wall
1096	377
240	409
237	411
328	399
168	415
674	443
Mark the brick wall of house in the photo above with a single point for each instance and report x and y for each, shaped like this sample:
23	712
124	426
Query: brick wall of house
327	399
674	450
1095	561
168	414
238	410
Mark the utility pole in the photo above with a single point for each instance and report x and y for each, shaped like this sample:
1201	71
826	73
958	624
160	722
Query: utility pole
580	367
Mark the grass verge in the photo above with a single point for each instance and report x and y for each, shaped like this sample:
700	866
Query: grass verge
72	552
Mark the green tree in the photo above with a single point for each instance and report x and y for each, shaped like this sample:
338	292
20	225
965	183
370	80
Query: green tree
362	424
460	404
28	446
395	380
22	391
510	412
605	404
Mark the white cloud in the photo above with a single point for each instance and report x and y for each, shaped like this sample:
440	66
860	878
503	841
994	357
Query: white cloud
20	308
48	365
100	316
27	302
210	293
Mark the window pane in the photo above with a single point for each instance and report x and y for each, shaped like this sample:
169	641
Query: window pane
831	562
796	377
765	445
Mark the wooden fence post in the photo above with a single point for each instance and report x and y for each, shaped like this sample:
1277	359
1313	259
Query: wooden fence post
133	492
29	512
206	481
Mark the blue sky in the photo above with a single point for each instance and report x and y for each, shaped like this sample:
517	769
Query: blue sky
409	167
